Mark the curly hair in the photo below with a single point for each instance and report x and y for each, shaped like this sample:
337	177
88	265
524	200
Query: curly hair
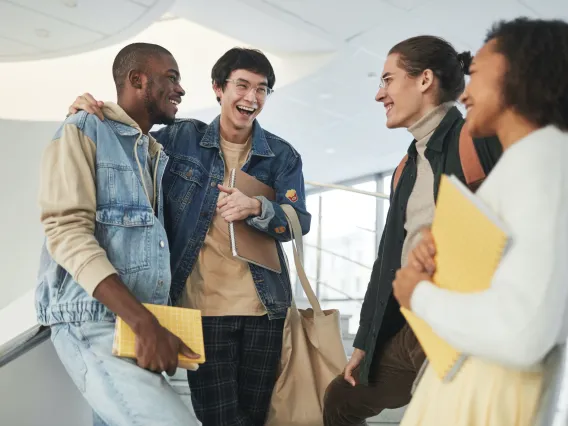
535	83
434	53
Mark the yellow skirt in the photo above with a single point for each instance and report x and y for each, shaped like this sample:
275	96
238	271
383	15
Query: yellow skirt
481	394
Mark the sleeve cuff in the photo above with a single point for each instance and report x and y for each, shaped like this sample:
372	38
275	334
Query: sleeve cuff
421	298
96	270
267	214
361	337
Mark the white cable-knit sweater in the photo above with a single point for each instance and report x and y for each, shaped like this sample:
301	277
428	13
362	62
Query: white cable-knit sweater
524	313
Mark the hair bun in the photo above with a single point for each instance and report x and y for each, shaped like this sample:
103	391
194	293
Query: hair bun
465	59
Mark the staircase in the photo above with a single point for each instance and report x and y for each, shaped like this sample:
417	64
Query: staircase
386	418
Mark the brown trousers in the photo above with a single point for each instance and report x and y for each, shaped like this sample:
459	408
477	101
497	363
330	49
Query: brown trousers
393	371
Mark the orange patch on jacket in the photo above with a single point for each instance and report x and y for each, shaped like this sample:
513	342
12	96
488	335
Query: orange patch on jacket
292	195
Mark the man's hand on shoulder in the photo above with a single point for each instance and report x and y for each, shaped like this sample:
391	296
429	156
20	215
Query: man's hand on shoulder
87	103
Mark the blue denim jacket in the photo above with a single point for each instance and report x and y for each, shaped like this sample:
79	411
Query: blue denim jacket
125	226
190	187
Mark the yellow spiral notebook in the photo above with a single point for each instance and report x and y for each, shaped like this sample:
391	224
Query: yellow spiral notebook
470	242
184	323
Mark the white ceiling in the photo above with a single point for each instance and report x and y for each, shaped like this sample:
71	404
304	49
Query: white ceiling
33	29
327	55
56	82
331	116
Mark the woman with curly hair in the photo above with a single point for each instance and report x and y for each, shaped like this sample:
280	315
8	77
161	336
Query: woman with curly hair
519	92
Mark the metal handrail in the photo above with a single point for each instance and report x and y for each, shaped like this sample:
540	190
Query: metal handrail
553	410
348	189
22	344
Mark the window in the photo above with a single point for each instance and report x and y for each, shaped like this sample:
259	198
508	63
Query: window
341	247
386	181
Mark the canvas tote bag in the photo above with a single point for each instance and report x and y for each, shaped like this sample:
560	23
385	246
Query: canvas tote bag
312	352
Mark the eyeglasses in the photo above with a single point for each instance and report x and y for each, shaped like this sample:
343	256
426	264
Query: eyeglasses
384	83
243	88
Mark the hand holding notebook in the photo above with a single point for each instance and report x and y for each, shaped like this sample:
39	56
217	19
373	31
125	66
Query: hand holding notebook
248	243
405	282
182	322
470	241
422	257
233	205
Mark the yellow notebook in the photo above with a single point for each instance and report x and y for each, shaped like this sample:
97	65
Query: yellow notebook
184	323
470	242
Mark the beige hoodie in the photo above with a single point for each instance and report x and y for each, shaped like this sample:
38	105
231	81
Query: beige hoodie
68	202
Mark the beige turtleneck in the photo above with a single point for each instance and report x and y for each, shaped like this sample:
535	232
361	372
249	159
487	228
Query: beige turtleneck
421	204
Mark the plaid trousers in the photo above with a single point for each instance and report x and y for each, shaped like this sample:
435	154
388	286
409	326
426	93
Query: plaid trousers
234	386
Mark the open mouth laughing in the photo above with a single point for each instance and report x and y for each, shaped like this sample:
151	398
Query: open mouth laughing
175	101
246	110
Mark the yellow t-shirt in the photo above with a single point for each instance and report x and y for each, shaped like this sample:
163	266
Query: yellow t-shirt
221	284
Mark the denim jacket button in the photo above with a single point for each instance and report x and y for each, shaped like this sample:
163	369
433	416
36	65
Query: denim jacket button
213	184
162	244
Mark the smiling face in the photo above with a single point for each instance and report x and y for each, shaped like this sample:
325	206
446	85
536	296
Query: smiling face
162	92
240	102
402	95
483	96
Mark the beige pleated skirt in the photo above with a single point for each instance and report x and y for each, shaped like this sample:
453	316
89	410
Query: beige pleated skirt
481	394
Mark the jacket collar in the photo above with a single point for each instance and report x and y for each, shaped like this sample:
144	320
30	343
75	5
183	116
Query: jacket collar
126	126
436	142
259	146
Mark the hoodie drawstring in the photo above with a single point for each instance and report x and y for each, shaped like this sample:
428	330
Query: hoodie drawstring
141	171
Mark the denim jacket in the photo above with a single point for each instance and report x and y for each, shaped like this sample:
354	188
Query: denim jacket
103	224
190	182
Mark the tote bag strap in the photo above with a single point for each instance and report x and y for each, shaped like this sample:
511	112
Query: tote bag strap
298	249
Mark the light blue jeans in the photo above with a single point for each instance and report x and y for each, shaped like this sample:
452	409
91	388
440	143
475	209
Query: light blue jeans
120	392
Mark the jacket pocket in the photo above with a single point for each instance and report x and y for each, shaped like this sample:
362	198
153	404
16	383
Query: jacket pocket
125	233
186	179
119	185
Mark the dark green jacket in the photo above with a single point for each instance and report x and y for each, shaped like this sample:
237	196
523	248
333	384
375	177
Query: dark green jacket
380	316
